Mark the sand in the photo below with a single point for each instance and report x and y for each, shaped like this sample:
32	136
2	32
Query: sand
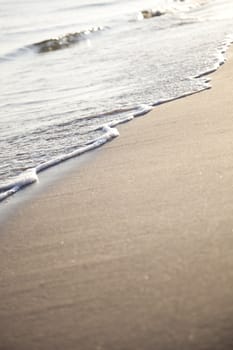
134	249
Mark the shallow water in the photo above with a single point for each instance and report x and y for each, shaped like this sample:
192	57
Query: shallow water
68	69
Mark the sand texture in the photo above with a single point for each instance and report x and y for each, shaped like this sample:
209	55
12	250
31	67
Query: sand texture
134	250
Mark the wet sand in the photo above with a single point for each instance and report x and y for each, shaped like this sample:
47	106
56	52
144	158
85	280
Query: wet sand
134	249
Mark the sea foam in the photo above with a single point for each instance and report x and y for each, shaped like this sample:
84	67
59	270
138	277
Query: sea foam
30	176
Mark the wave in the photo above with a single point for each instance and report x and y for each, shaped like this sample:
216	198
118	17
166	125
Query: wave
149	13
109	130
220	58
30	176
63	41
53	44
69	39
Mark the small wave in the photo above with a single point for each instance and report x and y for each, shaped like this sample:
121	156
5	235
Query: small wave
175	7
220	58
149	13
11	187
30	176
63	41
52	44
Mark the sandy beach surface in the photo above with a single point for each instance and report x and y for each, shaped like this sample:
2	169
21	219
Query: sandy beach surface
134	249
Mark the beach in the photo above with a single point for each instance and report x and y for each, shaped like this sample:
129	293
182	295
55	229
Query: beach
64	79
134	249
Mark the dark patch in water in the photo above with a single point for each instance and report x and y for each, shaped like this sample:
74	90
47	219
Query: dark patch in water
152	13
62	42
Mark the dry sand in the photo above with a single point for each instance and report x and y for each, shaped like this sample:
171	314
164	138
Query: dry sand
133	250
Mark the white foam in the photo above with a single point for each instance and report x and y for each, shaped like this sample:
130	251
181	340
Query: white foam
143	109
8	193
24	179
30	176
109	132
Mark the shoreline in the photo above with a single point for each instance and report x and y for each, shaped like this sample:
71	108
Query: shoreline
59	171
20	184
134	250
49	178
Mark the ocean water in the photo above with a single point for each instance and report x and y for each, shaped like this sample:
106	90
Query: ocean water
72	70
